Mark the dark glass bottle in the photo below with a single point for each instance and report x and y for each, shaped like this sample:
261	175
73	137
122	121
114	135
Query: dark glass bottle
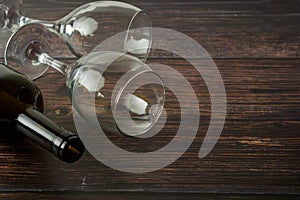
21	105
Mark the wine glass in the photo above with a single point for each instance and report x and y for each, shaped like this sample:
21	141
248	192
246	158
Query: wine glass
90	24
128	97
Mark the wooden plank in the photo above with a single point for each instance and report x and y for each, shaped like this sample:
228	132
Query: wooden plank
232	29
258	151
139	195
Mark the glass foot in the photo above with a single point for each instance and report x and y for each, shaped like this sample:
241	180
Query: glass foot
22	47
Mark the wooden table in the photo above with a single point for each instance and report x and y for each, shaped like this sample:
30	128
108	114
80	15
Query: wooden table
256	46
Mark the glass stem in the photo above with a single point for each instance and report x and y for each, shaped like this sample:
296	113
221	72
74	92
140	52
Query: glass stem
56	64
26	20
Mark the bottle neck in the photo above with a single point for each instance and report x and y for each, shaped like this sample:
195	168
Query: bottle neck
63	144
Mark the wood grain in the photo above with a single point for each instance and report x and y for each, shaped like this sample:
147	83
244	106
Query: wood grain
255	45
135	195
234	29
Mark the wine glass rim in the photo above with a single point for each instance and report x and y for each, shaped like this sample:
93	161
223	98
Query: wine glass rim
118	96
139	12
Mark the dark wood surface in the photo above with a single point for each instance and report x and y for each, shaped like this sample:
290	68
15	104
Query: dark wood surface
256	46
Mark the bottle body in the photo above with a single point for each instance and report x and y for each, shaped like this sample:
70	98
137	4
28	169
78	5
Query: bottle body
17	94
21	104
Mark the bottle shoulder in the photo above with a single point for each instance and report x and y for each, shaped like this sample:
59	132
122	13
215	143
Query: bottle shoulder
17	92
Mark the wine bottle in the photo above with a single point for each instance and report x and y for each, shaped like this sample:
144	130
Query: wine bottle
21	103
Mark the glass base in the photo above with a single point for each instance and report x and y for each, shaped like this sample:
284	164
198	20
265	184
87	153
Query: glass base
24	45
